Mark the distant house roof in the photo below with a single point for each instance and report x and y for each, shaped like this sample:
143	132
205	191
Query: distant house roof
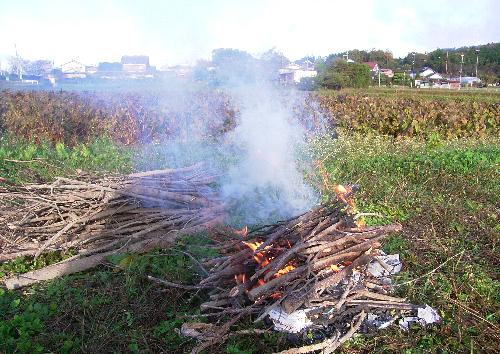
73	66
435	76
135	59
372	64
427	72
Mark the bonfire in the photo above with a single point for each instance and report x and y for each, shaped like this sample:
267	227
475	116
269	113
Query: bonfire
311	271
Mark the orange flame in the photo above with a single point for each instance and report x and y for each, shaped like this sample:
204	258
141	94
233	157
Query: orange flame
261	260
335	268
284	270
253	245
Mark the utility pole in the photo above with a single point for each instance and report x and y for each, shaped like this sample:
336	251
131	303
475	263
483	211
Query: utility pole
461	66
378	77
447	62
414	75
477	59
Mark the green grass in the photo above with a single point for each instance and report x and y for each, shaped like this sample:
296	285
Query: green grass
22	161
444	193
446	196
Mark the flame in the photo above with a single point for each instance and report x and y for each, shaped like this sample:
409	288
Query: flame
261	260
335	268
253	245
284	270
259	257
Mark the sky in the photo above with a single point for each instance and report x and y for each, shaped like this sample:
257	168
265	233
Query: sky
182	31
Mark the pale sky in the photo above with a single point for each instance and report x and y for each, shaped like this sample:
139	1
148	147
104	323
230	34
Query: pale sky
181	31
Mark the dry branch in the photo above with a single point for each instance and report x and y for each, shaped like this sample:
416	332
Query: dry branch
99	217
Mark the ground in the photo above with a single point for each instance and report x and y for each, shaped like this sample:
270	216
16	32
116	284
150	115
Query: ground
445	193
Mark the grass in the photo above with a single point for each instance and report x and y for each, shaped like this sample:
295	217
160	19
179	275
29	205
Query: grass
22	161
444	193
446	196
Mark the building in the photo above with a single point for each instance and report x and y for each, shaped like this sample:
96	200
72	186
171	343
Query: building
374	68
426	72
387	72
293	73
73	70
135	63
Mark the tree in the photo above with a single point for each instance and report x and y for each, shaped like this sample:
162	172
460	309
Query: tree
402	79
342	74
270	62
233	66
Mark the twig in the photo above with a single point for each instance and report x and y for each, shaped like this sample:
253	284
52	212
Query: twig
175	285
432	271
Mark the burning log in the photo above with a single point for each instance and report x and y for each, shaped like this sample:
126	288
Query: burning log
99	217
316	262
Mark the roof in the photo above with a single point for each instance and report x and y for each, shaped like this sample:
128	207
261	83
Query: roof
427	72
135	59
371	64
73	61
435	76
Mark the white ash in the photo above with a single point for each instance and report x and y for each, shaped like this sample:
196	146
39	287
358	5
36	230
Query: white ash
298	320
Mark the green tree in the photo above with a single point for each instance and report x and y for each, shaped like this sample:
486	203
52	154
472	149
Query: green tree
342	74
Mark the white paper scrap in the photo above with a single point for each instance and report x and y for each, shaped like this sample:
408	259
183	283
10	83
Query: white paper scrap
392	260
425	316
292	323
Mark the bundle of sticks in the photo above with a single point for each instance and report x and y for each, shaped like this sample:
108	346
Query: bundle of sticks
316	261
94	218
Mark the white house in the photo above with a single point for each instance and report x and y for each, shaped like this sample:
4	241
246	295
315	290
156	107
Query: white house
293	73
73	66
73	70
426	72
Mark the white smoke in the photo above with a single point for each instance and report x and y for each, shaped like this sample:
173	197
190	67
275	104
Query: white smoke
265	183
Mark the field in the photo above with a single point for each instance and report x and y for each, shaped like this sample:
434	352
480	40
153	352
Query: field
438	176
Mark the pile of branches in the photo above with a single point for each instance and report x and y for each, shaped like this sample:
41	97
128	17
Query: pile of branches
315	262
95	218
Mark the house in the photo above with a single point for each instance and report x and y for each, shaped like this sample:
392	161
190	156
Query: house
135	63
426	72
387	72
73	70
293	73
374	68
73	66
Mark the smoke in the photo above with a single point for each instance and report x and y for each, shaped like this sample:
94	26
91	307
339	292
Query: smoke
266	182
245	128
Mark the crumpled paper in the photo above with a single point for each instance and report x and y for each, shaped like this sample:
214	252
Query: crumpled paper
392	261
425	316
292	323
